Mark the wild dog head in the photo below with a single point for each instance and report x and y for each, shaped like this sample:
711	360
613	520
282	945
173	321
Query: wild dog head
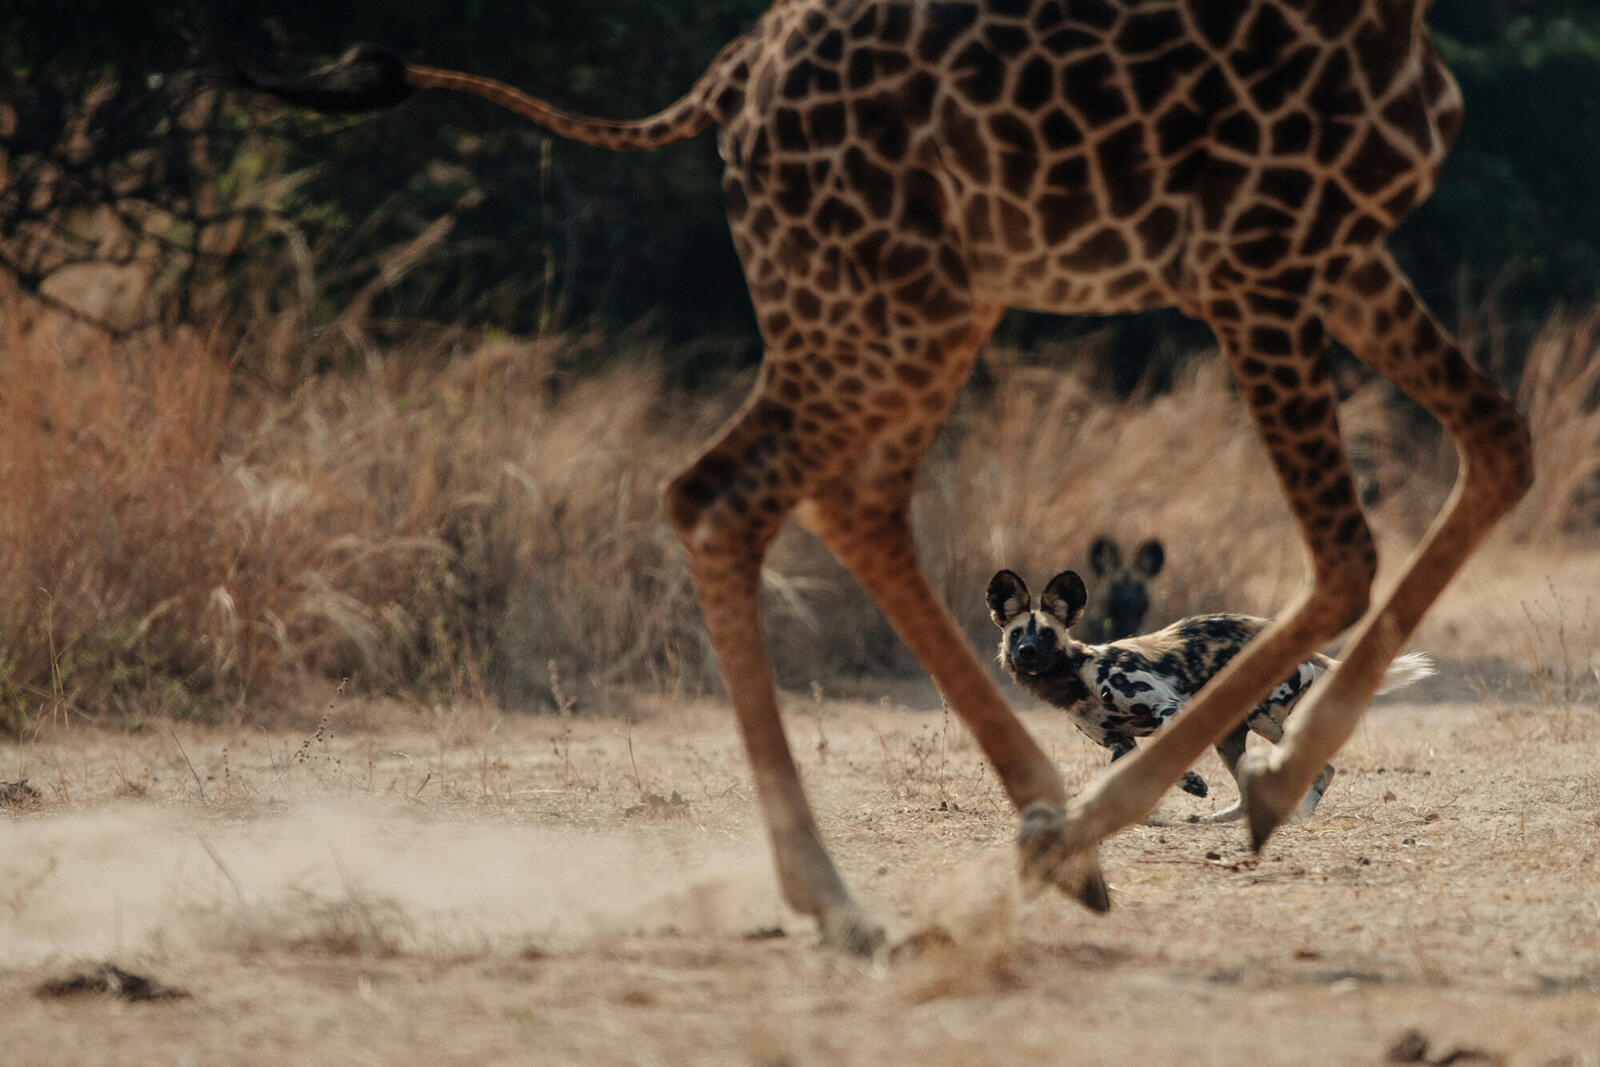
1034	642
1121	610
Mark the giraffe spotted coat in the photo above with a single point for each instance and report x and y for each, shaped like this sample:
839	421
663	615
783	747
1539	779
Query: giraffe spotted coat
900	172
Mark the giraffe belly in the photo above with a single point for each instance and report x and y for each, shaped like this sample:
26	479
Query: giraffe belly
1041	283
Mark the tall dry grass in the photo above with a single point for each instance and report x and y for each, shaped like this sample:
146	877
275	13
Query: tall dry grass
1560	393
181	539
177	541
108	458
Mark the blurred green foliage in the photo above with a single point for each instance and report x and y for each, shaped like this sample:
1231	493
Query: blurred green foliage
564	235
1515	219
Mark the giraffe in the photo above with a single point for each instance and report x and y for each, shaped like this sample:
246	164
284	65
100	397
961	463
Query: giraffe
898	173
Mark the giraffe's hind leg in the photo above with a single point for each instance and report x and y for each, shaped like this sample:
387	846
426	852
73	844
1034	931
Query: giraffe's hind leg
1274	345
1378	315
727	506
1232	750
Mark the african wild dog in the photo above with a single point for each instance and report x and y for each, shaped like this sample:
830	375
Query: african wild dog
1120	610
1125	689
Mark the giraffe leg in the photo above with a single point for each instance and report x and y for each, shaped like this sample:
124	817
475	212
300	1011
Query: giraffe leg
1378	315
864	519
1232	750
876	544
727	506
1275	350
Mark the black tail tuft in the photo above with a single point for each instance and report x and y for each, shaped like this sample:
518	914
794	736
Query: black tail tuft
366	78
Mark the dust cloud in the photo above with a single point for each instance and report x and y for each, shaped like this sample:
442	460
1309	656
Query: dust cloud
126	880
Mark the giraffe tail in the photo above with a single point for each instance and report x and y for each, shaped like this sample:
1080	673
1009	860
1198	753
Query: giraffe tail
369	78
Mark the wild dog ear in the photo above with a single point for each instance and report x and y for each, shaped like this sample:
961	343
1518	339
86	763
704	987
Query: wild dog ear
1105	556
1063	599
1007	598
1149	559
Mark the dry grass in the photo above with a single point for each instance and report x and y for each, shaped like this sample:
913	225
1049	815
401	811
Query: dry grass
1560	393
184	540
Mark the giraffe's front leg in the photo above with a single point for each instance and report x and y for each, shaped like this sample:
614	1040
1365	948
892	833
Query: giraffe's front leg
1190	783
867	527
863	514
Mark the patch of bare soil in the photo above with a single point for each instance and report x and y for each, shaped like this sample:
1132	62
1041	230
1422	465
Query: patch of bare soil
461	888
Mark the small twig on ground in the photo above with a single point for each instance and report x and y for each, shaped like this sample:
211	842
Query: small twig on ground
238	890
944	745
638	779
564	705
816	716
197	781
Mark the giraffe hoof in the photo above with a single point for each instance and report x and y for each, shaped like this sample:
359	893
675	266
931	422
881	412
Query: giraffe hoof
846	928
1262	824
1092	892
1266	800
1052	855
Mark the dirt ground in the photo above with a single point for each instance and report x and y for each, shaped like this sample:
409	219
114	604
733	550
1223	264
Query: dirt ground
460	887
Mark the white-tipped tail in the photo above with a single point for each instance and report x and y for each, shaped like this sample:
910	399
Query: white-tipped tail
1408	667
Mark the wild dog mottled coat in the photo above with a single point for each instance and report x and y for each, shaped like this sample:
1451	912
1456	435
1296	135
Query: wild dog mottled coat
1122	690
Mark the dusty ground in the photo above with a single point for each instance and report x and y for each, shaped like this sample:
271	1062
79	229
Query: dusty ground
465	888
